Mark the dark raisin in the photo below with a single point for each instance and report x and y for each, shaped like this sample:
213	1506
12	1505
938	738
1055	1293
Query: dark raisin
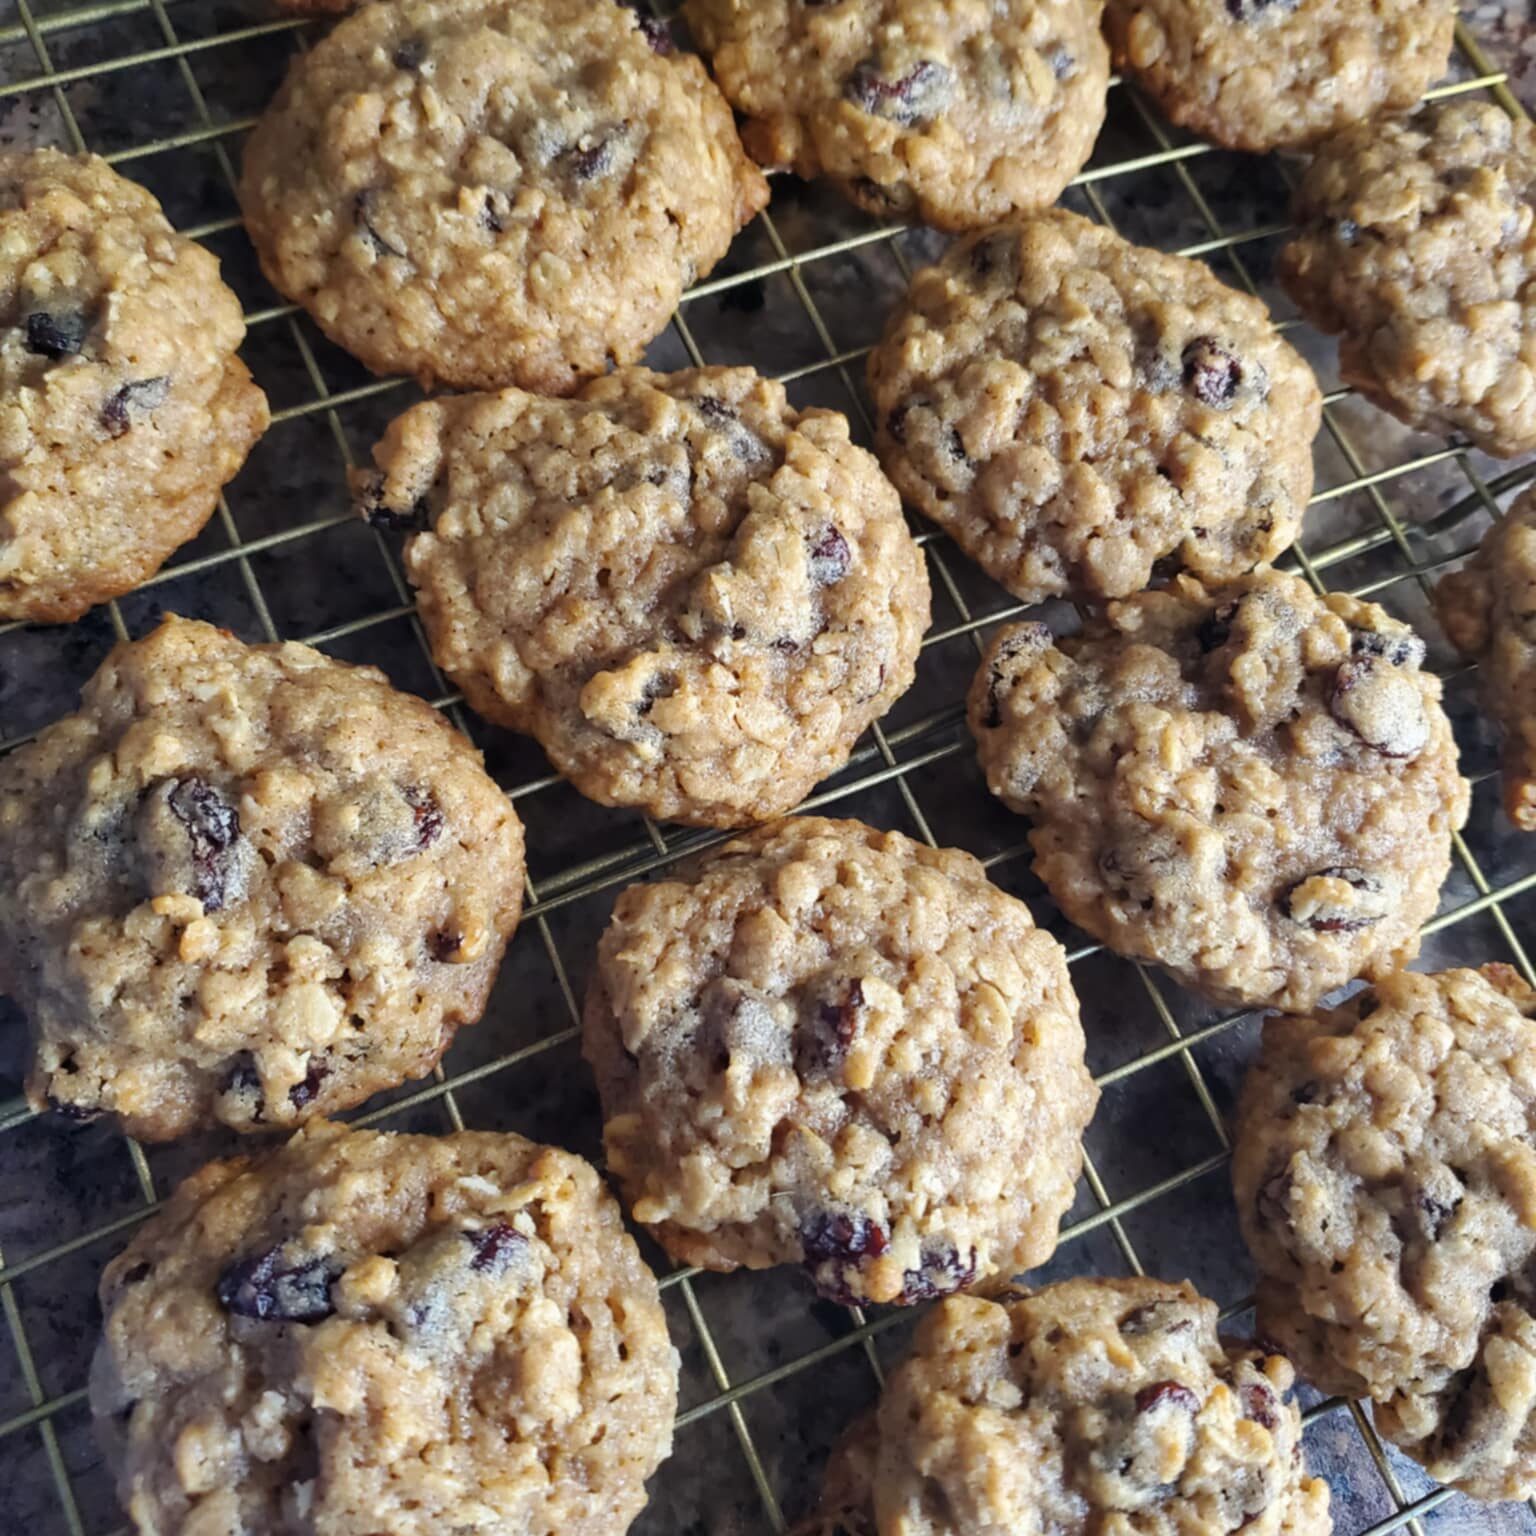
786	644
213	827
266	1288
1022	639
243	1078
589	162
827	1029
1400	650
410	53
489	216
444	945
134	398
362	211
659	685
1322	918
954	446
80	1113
835	1240
416	518
138	1273
1156	1317
1259	1404
301	1095
60	334
830	557
940	1271
1436	1213
495	1249
1216	628
1166	1394
656	34
428	814
912	98
716	412
1211	373
1246	10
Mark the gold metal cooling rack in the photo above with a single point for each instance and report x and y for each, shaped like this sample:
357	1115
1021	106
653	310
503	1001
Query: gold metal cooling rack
166	89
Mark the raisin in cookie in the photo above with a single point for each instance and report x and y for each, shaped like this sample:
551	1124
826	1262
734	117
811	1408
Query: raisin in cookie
695	596
837	1047
1090	1406
488	192
366	1333
1251	786
246	884
957	111
1073	409
1416	245
1488	608
123	407
1385	1173
1266	74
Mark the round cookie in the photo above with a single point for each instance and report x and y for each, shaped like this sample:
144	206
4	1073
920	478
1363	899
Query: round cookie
695	596
1251	786
366	1332
956	111
1385	1174
1078	412
1416	245
836	1047
488	192
1090	1406
246	885
1488	608
123	407
1270	74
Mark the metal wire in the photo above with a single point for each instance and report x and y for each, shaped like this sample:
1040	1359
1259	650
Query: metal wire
892	756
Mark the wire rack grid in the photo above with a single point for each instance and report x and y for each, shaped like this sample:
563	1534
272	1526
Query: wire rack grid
166	91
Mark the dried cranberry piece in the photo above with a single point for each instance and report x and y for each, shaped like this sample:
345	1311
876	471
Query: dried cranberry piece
410	53
495	1249
135	397
1156	1317
60	333
830	557
212	827
303	1094
913	97
270	1290
835	1240
589	162
1258	1402
940	1271
1211	372
1340	920
362	207
429	815
1400	650
823	1037
1166	1394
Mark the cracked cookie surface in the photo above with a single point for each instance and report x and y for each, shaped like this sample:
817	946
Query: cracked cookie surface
1075	411
956	111
489	192
837	1047
123	407
366	1332
695	596
1251	786
1268	74
1488	609
1385	1174
1415	244
1088	1406
247	885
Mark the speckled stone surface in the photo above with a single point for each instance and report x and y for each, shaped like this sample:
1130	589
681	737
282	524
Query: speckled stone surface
58	1183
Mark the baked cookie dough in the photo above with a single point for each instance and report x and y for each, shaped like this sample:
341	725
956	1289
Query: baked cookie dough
1385	1173
123	407
1251	786
1090	1406
366	1333
956	111
1077	412
1416	245
695	596
1270	74
246	885
831	1046
488	192
1488	609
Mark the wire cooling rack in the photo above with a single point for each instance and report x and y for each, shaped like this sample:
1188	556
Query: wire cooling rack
166	89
